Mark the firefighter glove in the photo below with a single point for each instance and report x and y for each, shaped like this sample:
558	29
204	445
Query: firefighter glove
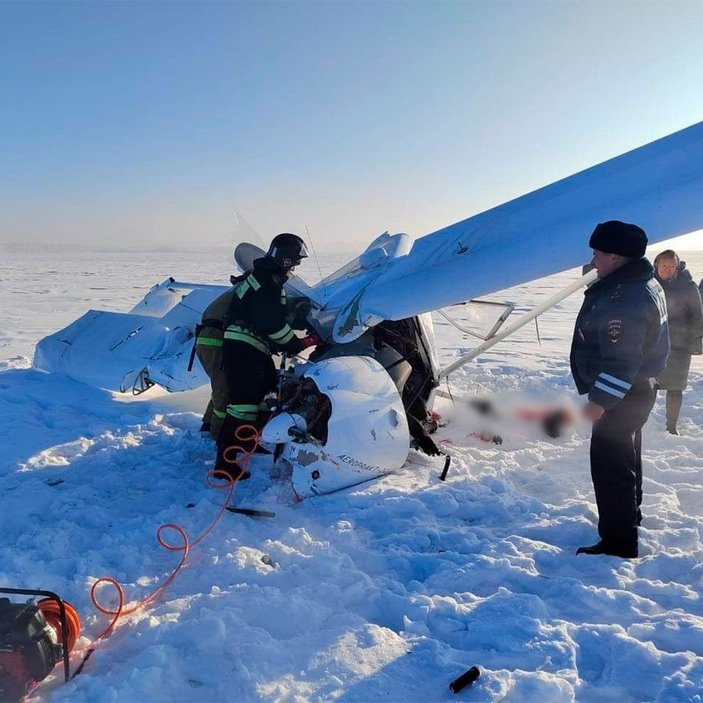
312	340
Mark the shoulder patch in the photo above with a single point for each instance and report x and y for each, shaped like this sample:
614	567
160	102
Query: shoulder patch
614	330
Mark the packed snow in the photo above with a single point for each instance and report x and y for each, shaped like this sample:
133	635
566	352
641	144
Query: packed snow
386	591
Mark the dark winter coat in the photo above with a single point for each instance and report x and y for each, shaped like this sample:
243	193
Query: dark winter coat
621	336
683	302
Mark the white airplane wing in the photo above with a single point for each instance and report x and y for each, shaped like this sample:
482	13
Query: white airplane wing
130	351
658	187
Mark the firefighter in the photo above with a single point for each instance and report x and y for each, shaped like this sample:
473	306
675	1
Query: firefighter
257	326
208	349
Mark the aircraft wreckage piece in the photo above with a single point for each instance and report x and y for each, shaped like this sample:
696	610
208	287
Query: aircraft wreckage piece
345	425
129	352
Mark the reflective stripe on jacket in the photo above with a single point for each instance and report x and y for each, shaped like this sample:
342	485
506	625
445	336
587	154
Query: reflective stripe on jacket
621	335
258	312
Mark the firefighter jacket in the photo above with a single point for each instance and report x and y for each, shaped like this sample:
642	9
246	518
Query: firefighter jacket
258	312
211	328
621	335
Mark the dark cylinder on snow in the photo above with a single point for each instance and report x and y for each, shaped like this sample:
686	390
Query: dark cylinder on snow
465	679
447	461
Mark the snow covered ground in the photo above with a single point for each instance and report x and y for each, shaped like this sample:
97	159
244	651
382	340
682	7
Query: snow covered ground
387	591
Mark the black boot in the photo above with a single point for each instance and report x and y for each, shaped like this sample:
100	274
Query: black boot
603	548
231	472
597	548
207	417
228	468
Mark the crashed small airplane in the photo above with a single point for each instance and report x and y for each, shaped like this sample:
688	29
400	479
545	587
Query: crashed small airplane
344	422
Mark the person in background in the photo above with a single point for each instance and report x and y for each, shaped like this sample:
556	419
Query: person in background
620	344
683	303
401	336
257	327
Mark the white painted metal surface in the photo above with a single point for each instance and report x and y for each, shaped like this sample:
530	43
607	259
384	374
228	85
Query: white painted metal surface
367	431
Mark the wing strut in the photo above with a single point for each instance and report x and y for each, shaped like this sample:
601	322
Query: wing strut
507	310
520	322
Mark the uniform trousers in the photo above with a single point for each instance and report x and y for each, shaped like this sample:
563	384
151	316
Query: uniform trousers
616	467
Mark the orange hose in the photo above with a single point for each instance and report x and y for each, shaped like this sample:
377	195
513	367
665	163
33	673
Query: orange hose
52	613
245	434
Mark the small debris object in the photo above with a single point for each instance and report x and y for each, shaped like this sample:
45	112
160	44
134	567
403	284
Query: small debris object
447	461
250	512
468	677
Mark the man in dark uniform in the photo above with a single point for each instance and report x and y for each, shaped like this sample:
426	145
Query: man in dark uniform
257	326
621	342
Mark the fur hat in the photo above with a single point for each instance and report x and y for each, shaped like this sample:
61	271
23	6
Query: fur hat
615	237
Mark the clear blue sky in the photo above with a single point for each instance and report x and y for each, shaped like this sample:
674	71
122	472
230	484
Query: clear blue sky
150	122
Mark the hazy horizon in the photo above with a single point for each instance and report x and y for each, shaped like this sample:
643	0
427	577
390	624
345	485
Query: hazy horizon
150	124
686	243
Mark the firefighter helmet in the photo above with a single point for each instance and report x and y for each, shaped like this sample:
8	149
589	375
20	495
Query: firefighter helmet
287	250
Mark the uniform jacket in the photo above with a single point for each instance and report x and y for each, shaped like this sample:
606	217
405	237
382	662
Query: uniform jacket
258	313
683	303
621	335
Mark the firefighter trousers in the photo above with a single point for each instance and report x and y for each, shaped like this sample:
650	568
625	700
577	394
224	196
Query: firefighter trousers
250	375
210	357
